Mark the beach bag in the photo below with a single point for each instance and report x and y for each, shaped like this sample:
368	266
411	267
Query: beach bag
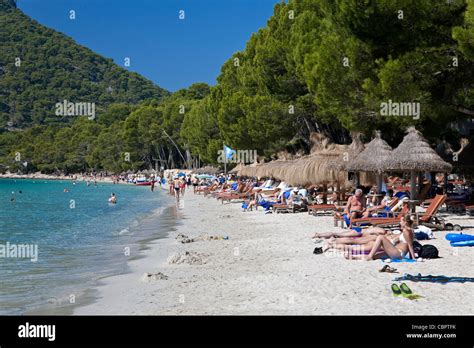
429	251
417	248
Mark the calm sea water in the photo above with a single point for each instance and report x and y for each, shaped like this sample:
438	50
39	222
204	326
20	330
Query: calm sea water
80	238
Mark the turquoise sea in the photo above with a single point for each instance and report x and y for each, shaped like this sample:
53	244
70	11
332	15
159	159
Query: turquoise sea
79	237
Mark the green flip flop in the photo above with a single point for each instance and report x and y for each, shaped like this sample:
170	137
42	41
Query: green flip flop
406	291
396	290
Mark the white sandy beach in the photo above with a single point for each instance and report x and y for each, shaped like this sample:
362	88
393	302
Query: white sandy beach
268	267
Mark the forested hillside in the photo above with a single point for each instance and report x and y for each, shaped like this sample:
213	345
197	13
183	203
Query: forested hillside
40	67
318	65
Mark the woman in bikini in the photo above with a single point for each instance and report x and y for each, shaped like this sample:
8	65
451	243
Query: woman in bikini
176	186
396	248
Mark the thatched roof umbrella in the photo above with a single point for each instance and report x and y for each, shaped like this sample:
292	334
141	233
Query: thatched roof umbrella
237	169
347	152
415	155
250	170
312	169
373	159
207	170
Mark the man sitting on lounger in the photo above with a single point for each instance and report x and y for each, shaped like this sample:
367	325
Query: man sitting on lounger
355	206
384	204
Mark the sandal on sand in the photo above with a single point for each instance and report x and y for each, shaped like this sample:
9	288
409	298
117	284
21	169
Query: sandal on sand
318	250
396	290
388	269
406	290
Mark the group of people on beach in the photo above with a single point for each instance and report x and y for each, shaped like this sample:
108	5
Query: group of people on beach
355	243
373	242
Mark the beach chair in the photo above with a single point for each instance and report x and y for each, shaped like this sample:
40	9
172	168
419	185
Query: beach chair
381	221
220	195
370	220
287	208
470	210
321	209
283	208
458	206
245	194
430	219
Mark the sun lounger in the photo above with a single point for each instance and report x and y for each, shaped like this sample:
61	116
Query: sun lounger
429	217
322	209
283	208
287	208
394	219
470	210
392	213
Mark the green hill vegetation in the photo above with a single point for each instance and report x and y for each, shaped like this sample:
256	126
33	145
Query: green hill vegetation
318	65
40	67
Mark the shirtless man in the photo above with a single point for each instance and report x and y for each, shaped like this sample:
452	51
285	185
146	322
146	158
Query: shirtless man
355	205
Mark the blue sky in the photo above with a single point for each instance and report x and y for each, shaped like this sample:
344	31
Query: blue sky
171	52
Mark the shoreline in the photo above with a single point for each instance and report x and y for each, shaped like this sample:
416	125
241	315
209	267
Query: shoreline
88	295
267	267
41	176
138	227
47	177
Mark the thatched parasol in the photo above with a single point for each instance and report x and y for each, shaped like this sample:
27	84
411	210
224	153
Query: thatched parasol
373	159
347	152
237	169
312	169
250	170
415	155
207	170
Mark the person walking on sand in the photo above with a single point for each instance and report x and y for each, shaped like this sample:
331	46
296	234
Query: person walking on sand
182	186
176	187
195	182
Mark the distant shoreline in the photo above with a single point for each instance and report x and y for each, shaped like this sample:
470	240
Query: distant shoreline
41	176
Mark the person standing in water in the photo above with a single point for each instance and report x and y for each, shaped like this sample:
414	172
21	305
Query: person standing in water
152	185
113	198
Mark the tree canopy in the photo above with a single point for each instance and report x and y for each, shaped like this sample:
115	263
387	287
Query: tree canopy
318	65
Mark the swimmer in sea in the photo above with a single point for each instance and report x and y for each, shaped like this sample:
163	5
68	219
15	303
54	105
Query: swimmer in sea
113	198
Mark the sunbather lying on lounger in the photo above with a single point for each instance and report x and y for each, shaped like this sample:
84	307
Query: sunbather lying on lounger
356	232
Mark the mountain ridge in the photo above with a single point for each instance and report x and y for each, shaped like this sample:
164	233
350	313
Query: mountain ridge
40	67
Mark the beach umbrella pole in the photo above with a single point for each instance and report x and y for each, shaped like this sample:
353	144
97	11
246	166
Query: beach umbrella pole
379	183
412	189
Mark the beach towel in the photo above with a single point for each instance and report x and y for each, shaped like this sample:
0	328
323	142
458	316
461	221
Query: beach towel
346	219
421	236
434	279
424	229
405	259
266	205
